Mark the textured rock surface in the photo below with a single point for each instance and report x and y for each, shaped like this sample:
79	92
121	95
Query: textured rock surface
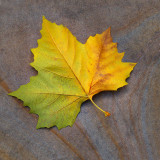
132	131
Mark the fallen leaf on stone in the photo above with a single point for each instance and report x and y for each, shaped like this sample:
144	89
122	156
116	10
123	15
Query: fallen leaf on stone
69	73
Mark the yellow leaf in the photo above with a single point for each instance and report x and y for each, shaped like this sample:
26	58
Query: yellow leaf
69	73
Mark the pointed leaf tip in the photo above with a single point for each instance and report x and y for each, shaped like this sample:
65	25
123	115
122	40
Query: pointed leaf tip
43	17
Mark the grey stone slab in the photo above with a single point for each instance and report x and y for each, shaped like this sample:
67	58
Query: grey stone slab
132	130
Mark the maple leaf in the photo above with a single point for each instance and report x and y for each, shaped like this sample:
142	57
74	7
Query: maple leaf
69	73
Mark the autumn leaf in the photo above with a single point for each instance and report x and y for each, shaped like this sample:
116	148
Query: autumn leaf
69	73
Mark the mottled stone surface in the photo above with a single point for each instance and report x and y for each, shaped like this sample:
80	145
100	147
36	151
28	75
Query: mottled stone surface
132	131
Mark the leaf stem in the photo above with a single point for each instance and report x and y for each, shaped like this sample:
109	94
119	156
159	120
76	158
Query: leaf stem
105	113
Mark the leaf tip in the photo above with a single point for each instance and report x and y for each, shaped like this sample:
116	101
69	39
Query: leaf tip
31	64
109	29
43	17
11	94
37	127
133	64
